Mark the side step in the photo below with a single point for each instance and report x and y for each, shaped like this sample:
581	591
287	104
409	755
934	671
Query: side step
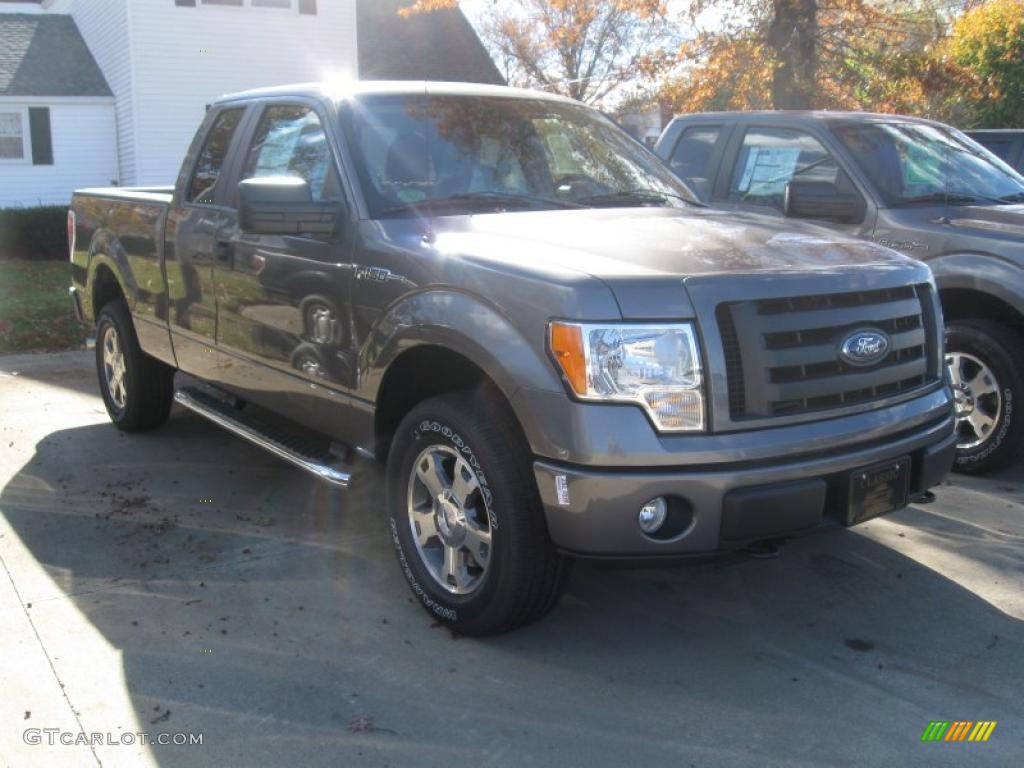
289	447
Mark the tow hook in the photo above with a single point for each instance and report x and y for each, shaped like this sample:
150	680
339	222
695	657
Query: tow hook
764	550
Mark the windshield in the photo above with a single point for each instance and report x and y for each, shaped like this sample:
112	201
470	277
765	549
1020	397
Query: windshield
918	163
461	154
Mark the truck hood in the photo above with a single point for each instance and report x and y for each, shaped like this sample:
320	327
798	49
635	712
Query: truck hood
1005	220
659	242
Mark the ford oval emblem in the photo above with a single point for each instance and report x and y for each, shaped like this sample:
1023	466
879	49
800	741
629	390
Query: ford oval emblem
864	347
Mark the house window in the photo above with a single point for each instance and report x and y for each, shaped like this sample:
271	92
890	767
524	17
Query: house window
12	135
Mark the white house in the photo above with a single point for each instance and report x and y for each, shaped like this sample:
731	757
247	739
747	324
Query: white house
125	82
57	120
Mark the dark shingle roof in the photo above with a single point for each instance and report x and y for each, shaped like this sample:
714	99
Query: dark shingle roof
440	45
44	55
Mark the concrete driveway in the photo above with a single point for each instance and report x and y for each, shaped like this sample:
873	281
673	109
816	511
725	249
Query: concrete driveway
183	582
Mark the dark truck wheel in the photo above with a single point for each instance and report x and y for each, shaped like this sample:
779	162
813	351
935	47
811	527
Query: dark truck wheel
137	389
466	518
986	364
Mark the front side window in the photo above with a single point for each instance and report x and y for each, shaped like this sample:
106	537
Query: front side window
771	158
12	135
290	141
211	159
457	154
920	163
691	158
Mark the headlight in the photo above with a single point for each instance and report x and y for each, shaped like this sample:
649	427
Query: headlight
654	366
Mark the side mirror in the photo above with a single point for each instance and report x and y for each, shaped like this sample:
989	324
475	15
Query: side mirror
283	205
822	200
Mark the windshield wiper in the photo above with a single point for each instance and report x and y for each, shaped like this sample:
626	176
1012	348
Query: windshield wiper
486	200
1016	197
636	196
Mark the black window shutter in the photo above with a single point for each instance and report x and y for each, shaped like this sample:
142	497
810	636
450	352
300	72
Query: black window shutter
39	130
307	6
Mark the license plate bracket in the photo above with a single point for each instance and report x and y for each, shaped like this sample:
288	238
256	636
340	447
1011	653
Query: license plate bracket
878	489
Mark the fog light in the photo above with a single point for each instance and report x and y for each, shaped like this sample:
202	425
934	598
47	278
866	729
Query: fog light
652	515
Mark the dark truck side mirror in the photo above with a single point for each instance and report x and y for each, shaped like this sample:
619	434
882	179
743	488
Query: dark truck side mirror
822	200
283	205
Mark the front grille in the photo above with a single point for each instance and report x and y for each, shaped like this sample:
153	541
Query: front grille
782	355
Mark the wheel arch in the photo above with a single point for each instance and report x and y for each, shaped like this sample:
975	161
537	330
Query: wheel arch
979	286
441	341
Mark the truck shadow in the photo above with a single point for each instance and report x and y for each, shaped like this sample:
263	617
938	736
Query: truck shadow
267	612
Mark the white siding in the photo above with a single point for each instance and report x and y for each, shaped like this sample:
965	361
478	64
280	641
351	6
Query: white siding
183	58
84	154
104	27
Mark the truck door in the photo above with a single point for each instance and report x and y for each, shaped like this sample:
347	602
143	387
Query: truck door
763	159
283	303
197	214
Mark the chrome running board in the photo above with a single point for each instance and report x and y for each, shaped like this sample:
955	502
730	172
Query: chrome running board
291	448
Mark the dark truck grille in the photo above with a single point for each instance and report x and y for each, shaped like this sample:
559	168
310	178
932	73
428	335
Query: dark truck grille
782	355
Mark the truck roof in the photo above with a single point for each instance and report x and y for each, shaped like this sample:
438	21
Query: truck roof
342	90
796	116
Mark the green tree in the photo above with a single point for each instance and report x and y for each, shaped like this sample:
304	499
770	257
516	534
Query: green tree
987	45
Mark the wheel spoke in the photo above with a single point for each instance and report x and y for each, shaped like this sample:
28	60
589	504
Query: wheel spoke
981	422
451	569
432	475
464	484
478	542
982	384
426	527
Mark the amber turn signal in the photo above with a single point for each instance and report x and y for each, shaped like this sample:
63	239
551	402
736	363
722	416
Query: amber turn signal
567	346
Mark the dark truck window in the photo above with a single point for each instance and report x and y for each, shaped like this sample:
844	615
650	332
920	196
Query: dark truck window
691	158
770	158
921	163
290	141
1000	149
211	159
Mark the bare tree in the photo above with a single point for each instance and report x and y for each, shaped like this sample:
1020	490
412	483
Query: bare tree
580	48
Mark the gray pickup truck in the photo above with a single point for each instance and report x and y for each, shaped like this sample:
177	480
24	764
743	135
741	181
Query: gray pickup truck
553	348
917	186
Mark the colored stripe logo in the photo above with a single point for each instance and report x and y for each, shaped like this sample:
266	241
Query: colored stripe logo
958	730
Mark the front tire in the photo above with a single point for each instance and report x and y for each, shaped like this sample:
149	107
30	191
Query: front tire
466	519
986	364
137	389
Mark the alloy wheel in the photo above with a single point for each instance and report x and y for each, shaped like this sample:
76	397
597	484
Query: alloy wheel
449	519
978	397
114	367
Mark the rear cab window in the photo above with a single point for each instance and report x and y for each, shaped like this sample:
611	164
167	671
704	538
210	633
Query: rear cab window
203	182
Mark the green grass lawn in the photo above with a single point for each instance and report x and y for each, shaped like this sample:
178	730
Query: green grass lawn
35	311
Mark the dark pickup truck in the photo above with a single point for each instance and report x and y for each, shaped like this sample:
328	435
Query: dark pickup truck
914	185
554	349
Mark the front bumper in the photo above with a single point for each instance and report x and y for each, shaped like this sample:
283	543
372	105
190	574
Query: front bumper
593	512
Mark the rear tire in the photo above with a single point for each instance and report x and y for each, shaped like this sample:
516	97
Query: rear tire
986	362
137	389
466	518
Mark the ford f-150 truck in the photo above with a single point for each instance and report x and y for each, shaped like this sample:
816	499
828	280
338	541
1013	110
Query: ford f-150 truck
553	348
914	185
